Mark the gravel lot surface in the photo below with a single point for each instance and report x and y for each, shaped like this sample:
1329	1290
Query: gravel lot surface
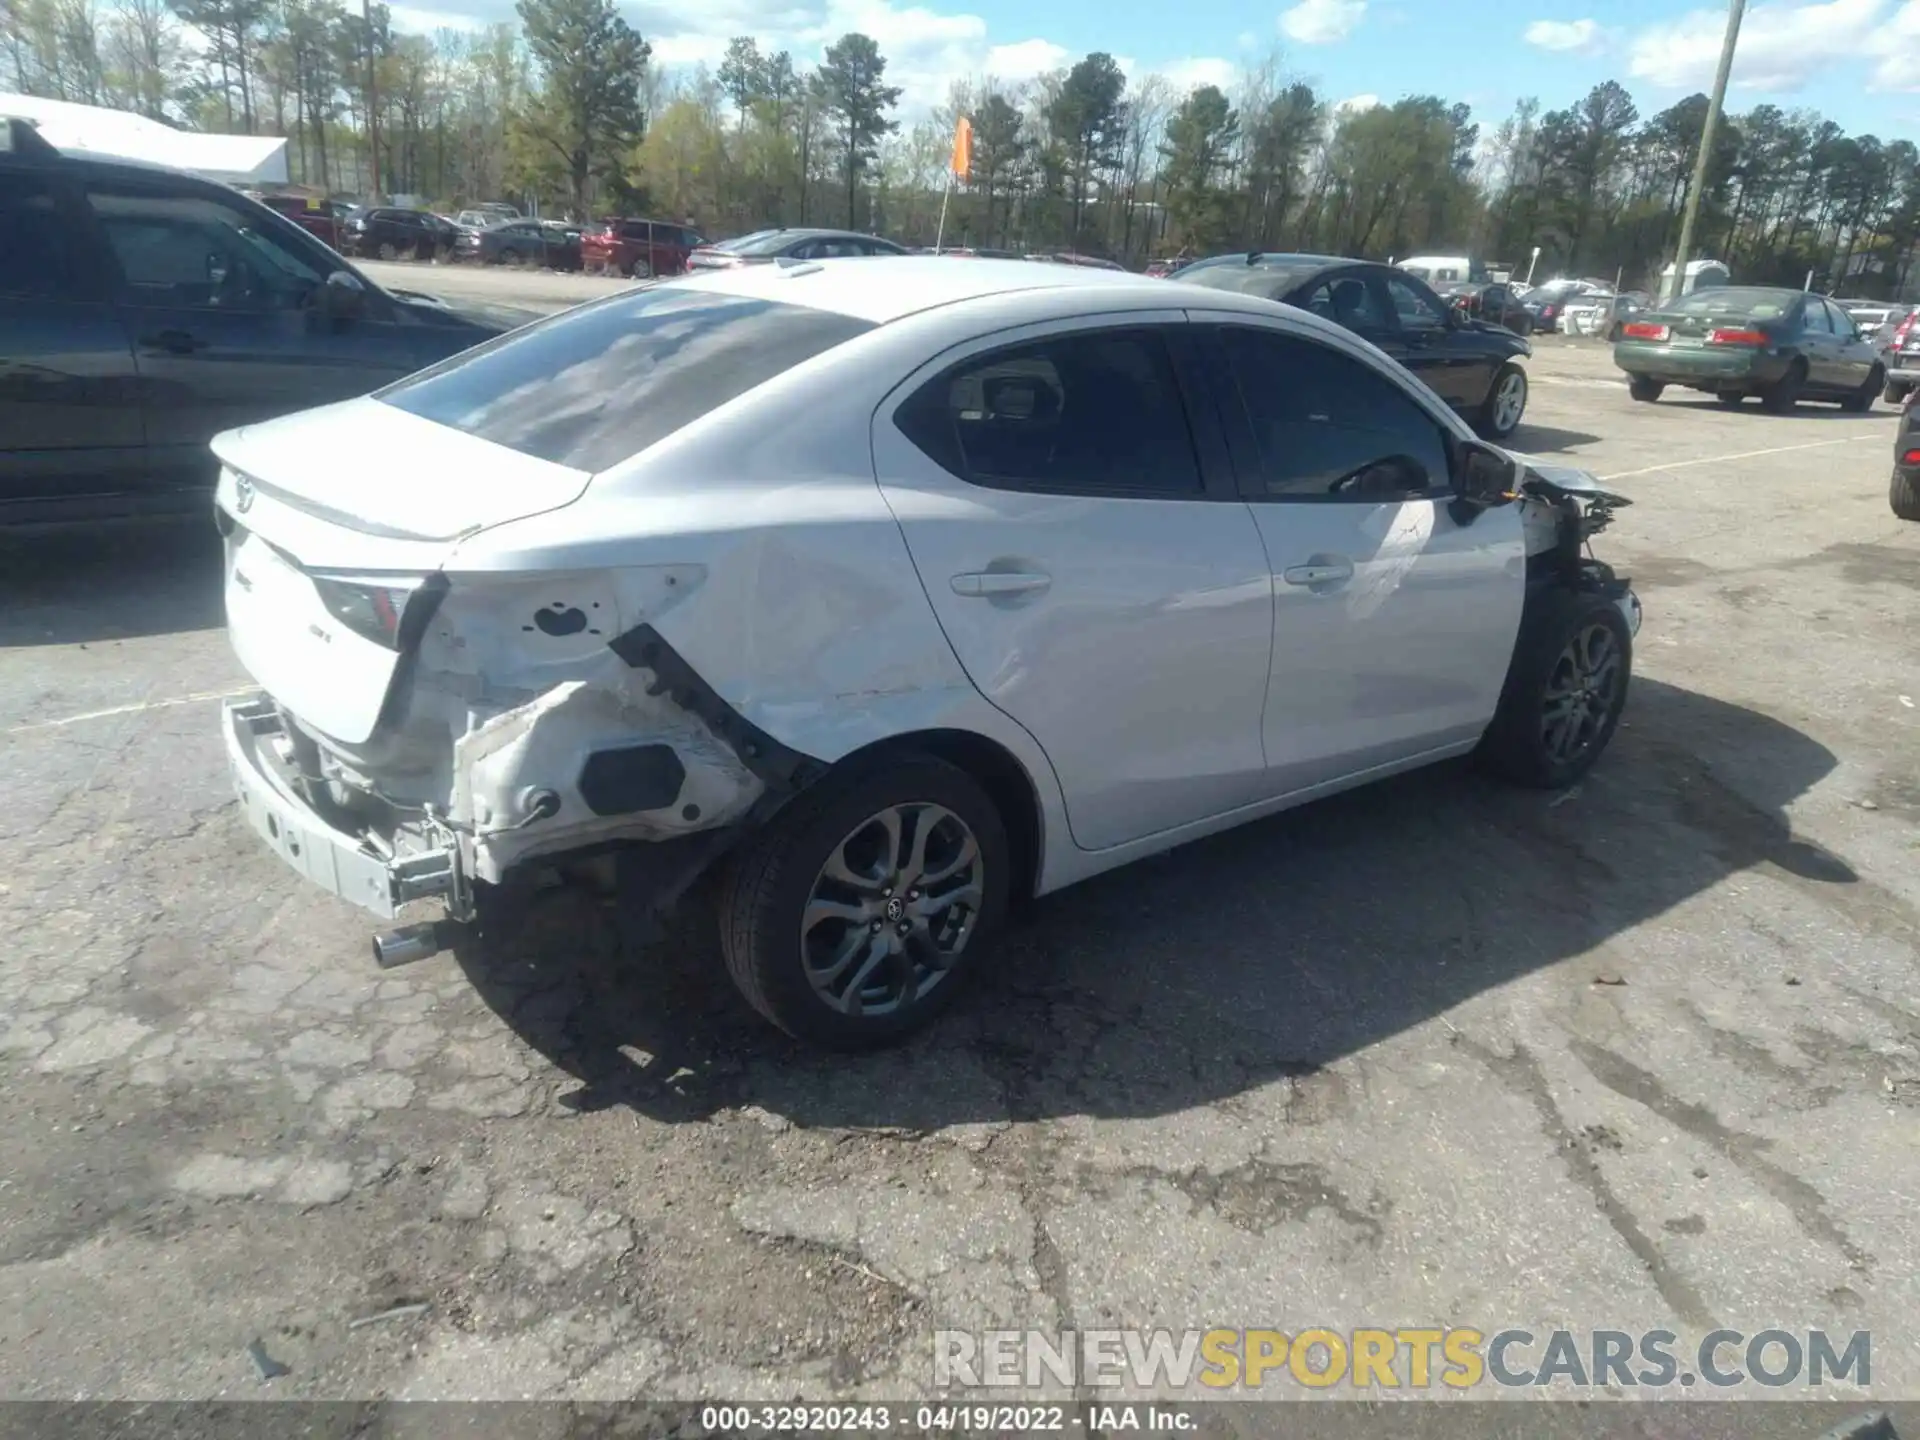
1644	1054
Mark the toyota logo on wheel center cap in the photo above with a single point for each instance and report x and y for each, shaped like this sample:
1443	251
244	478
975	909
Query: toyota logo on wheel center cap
896	909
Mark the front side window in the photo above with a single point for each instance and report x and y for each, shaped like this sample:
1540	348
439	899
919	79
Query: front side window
198	252
1415	309
1348	300
1094	412
591	386
1328	427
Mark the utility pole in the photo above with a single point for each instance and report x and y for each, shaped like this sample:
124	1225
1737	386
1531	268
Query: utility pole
373	107
1714	102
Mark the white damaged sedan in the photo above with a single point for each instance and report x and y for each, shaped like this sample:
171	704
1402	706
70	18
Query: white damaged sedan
894	590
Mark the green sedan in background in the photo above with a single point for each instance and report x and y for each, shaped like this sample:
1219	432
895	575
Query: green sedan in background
1739	340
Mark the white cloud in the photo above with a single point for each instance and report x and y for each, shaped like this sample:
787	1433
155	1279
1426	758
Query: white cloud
1581	37
926	48
425	22
1356	103
1189	75
1026	58
1783	45
1322	22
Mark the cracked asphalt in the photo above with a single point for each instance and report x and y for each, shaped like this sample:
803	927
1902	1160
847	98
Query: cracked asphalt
1644	1054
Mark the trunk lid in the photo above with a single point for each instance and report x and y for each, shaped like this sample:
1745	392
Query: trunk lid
370	467
1696	325
337	512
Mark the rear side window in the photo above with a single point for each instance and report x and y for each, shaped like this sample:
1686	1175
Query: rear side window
38	250
1093	413
591	386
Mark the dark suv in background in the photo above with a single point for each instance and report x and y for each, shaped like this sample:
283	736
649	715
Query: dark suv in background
142	311
387	232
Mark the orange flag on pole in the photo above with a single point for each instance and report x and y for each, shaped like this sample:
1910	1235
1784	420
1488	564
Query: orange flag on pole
962	163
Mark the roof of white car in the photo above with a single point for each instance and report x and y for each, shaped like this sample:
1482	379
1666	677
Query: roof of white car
881	290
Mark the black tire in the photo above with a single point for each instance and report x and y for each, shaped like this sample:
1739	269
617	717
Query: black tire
1613	333
1781	397
1904	495
770	883
1488	420
1861	400
1515	746
1732	399
1641	388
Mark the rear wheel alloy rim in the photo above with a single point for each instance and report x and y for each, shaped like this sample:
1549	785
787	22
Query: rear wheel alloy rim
1580	693
1510	402
891	910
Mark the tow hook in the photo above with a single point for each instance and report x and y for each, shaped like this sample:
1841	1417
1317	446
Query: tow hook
411	942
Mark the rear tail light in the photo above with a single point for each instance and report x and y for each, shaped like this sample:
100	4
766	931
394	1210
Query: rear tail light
1736	337
1910	457
1644	330
380	611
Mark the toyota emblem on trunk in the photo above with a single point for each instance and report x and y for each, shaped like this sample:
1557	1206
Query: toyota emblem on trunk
242	494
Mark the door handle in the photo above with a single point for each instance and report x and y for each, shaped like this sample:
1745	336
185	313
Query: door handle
1000	582
1320	573
177	342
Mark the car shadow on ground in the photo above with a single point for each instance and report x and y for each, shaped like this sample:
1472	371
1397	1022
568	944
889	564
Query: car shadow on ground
1809	409
1531	439
114	582
1272	951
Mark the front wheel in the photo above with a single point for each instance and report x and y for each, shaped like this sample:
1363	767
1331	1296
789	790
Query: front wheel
1860	401
1566	686
388	251
856	915
640	270
1506	402
1641	388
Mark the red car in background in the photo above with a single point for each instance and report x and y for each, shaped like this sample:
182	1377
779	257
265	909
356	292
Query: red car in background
639	248
310	213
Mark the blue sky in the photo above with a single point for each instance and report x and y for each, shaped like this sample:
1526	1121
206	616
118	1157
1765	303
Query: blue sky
1857	61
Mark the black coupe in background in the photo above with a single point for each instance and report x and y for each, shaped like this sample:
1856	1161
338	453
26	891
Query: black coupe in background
1473	365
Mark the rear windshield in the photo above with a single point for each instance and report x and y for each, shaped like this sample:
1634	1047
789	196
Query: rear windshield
750	244
1731	300
591	386
768	242
1267	281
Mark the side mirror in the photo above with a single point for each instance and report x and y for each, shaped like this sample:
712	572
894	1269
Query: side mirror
344	297
1483	477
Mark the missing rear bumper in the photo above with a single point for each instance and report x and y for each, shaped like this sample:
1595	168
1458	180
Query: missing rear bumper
366	869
